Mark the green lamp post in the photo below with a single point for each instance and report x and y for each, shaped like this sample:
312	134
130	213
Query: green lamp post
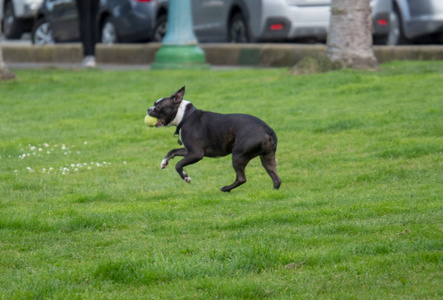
179	48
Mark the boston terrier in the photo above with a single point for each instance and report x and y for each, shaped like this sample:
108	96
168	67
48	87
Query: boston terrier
210	134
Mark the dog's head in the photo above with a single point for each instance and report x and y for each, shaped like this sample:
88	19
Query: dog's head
166	110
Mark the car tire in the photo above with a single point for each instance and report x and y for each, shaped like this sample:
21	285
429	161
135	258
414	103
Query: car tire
238	29
160	29
108	32
42	33
12	27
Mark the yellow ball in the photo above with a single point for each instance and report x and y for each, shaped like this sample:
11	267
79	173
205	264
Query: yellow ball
150	121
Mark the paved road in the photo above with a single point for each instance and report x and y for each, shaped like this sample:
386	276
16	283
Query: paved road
106	67
26	40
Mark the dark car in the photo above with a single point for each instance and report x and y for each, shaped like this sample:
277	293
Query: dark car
117	21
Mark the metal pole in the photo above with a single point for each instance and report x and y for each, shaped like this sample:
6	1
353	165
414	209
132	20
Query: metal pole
180	48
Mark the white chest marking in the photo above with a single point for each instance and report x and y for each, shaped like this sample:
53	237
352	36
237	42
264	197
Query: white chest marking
180	113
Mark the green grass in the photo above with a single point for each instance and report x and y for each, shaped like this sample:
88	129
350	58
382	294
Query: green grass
86	212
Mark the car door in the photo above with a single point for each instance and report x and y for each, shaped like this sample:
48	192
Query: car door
209	18
419	8
423	17
64	20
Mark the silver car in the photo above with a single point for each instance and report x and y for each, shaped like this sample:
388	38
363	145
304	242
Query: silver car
241	21
400	21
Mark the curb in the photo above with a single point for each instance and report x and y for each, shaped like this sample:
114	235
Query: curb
252	55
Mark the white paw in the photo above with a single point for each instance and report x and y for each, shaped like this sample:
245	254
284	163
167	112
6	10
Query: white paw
187	179
164	163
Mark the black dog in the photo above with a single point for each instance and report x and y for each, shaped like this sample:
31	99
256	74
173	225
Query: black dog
211	134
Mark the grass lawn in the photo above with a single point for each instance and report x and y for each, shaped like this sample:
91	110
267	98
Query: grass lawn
86	212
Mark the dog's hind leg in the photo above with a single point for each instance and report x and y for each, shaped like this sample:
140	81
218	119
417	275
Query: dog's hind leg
171	154
239	163
268	162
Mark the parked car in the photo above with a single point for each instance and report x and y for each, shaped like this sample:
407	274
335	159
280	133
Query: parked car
400	21
17	16
214	20
117	21
259	20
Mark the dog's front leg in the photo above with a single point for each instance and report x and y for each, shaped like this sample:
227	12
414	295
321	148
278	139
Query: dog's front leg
190	158
171	154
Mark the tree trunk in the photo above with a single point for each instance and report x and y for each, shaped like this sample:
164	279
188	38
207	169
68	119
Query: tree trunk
349	39
5	74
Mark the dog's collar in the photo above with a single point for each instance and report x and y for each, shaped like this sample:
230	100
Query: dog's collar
187	114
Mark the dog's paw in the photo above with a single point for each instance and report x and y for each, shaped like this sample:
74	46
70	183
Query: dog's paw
164	163
225	189
186	177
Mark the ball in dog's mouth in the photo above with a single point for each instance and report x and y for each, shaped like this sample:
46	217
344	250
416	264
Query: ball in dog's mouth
151	121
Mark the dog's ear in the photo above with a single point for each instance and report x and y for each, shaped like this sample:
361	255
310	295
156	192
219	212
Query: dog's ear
178	96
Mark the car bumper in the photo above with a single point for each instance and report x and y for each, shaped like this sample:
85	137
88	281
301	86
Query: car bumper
297	21
423	26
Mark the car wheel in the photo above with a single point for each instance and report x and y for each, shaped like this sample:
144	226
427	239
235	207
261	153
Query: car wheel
395	36
42	33
238	30
160	29
109	33
12	27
